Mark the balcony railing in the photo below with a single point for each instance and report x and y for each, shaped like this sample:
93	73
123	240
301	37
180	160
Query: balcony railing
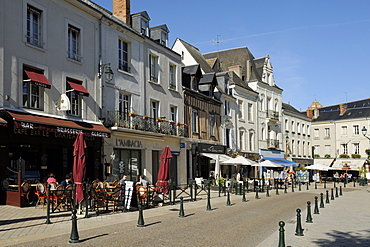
144	123
271	143
273	115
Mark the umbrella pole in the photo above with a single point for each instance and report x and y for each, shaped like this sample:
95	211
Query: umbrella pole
74	238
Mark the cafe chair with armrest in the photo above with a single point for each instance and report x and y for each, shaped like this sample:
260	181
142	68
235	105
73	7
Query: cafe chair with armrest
41	194
25	191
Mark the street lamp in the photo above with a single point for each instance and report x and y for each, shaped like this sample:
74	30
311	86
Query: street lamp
108	71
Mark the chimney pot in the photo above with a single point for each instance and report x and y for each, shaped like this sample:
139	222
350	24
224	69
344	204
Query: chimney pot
121	9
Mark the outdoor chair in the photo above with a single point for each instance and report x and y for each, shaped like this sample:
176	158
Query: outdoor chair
41	194
25	191
68	196
58	197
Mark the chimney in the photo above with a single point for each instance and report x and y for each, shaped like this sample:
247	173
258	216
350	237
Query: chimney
316	113
121	9
309	113
342	109
237	70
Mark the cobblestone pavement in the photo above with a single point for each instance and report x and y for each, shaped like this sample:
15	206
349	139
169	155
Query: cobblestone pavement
345	221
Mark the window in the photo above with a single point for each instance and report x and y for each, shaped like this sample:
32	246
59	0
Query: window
172	79
344	130
31	92
316	133
154	109
153	60
33	32
356	148
344	148
144	27
299	148
356	130
251	141
164	39
240	109
74	98
211	125
123	56
241	140
317	149
227	138
74	43
194	83
250	112
124	105
298	128
227	108
173	112
303	129
304	149
286	125
194	121
327	149
263	106
327	132
308	130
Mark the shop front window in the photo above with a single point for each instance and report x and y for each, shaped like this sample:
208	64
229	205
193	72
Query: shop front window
127	162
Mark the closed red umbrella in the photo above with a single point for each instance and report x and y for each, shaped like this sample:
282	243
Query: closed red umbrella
79	166
164	171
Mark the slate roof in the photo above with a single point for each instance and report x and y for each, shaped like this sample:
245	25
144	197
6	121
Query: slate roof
355	109
290	108
192	70
195	53
208	78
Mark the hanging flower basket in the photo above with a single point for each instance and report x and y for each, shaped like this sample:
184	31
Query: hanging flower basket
132	114
171	122
178	124
145	117
159	120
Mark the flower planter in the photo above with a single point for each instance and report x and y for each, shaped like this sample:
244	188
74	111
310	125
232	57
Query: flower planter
132	114
145	118
159	120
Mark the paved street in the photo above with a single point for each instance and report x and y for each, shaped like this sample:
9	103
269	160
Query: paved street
343	222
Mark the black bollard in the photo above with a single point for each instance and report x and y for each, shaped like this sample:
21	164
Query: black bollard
332	194
315	185
354	182
225	188
228	203
292	186
300	189
209	208
316	210
334	184
219	188
257	196
336	191
277	190
87	200
244	199
327	197
340	191
322	200
325	183
298	229
195	190
191	191
281	234
181	213
267	191
285	189
309	216
307	188
140	221
74	238
48	205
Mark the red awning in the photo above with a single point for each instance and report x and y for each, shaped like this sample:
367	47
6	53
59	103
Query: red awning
78	89
2	122
29	121
38	79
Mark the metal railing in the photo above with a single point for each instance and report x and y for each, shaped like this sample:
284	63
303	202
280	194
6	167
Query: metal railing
272	143
144	123
273	115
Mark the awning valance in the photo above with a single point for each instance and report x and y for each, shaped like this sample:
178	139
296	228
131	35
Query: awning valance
3	122
282	162
220	157
348	164
325	162
78	89
38	79
51	124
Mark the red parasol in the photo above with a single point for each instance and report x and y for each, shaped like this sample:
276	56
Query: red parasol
164	171
79	166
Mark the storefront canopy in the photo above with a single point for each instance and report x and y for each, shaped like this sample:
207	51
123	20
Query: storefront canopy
51	124
240	160
38	79
348	164
2	122
220	157
282	162
78	89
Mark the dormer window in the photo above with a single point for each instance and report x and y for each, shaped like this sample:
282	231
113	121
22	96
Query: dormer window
164	38
194	84
144	27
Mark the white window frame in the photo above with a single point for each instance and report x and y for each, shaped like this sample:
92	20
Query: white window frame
173	113
154	108
227	108
327	149
124	104
74	98
356	148
344	130
172	76
211	125
194	121
153	68
71	56
124	64
242	139
316	133
344	148
240	109
327	132
250	112
356	130
42	30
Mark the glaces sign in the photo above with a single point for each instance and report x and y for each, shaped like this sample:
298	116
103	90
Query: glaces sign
129	143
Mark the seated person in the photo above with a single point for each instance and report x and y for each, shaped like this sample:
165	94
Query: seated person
66	181
51	178
142	181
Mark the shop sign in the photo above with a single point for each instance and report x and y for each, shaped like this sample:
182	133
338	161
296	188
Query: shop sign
129	143
182	145
209	148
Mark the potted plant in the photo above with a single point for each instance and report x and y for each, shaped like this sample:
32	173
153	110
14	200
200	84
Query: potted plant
145	117
134	126
184	125
171	122
356	156
327	155
367	151
344	156
363	179
132	114
159	119
178	124
317	156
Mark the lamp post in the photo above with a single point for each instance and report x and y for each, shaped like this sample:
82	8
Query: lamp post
108	72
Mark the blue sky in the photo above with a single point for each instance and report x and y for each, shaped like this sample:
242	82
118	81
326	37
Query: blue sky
319	48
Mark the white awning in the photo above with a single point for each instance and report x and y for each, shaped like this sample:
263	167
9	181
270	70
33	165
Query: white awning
325	162
220	157
348	164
